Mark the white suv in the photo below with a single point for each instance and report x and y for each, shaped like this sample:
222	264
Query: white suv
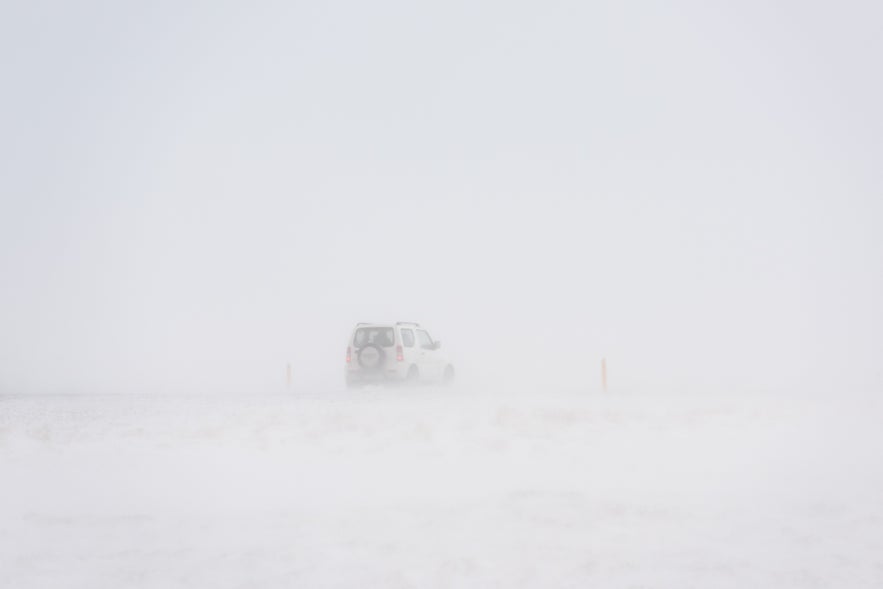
400	352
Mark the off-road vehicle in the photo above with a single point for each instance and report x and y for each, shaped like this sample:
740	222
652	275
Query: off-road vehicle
395	353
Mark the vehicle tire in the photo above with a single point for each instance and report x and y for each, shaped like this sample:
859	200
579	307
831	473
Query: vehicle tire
413	376
448	378
371	357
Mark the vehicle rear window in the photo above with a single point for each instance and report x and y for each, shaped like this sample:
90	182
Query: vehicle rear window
378	336
408	337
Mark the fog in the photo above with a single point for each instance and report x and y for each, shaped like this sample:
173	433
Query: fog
194	196
198	197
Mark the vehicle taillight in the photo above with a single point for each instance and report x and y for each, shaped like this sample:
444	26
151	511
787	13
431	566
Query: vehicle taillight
400	355
349	354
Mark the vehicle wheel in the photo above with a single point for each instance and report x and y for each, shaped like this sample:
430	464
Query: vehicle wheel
448	378
413	376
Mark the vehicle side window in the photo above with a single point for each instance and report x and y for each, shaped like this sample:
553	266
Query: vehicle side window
424	339
408	338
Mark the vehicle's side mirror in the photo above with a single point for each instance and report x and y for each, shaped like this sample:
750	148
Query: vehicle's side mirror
436	345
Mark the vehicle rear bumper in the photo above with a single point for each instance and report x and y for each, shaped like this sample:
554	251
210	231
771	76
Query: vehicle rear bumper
356	376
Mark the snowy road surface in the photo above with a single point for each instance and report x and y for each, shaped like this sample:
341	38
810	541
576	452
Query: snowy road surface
441	489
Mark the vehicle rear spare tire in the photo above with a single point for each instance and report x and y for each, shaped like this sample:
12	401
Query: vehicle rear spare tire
371	357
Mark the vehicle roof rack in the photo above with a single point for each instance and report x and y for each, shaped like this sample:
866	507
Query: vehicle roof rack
407	323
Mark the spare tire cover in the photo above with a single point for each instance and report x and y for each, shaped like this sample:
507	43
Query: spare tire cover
371	357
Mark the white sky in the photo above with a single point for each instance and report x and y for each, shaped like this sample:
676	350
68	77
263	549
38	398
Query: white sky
193	195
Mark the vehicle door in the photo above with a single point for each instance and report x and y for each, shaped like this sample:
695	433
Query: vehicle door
410	350
380	336
429	363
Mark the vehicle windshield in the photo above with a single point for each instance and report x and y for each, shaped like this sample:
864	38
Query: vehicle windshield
378	336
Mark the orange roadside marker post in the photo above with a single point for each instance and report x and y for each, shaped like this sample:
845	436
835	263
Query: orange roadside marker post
604	374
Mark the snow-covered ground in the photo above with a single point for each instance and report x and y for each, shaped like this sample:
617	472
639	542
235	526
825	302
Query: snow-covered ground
436	488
